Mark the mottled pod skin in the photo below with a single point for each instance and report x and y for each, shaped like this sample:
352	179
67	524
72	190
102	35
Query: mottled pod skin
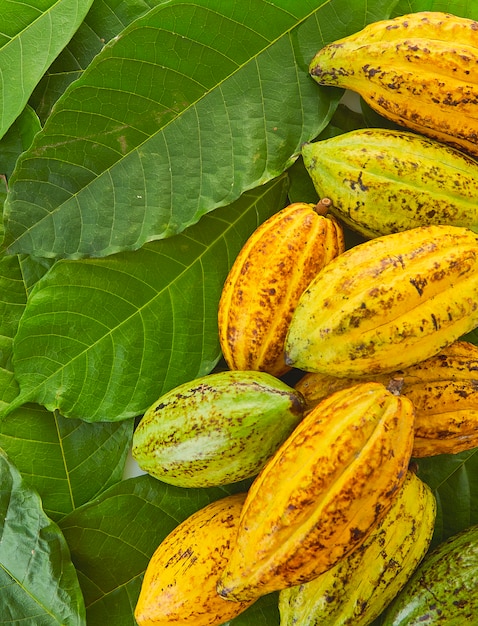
384	181
264	284
444	392
356	590
418	70
443	590
217	429
179	585
387	303
322	493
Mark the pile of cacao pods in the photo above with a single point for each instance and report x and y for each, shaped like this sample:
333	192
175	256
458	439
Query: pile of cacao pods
334	518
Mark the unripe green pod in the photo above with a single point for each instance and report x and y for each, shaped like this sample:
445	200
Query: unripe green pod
443	590
383	181
217	429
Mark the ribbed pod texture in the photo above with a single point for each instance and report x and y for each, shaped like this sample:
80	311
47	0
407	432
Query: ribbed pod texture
265	282
387	303
418	70
442	388
323	491
356	590
179	585
442	591
383	181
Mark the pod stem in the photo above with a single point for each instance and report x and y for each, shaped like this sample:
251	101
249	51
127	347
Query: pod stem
323	205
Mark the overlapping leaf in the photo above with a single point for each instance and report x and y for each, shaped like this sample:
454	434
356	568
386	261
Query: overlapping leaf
101	339
67	461
31	37
38	582
112	539
191	105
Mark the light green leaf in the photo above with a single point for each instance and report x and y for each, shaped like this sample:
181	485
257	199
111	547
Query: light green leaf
38	582
113	538
191	105
68	462
31	37
102	339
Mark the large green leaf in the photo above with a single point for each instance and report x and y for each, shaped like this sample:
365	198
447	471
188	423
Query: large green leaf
191	105
78	460
463	8
102	339
32	35
112	539
38	582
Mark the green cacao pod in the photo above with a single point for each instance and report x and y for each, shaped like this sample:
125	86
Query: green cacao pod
356	590
217	429
418	70
384	181
443	590
442	388
387	303
266	280
322	493
179	585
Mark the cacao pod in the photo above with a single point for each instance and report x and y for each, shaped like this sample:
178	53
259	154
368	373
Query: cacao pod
179	585
322	493
217	429
418	70
443	590
384	181
264	284
387	303
443	390
356	590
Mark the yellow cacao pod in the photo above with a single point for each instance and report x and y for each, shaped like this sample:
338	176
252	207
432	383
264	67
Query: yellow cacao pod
387	303
382	181
418	70
356	590
322	493
179	585
265	282
443	390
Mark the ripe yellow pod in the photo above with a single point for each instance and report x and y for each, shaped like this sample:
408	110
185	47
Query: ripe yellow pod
418	70
356	590
322	493
179	585
387	303
266	280
443	390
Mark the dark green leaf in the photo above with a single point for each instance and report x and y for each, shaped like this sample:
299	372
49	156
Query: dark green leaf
191	105
113	538
68	462
38	582
32	36
17	139
462	8
454	480
102	339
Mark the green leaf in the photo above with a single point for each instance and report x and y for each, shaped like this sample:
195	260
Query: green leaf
17	139
462	8
454	480
113	538
105	20
78	460
38	582
102	339
32	36
191	105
